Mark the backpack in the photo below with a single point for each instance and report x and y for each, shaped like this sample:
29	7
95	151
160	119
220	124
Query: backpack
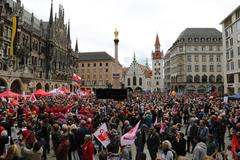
174	154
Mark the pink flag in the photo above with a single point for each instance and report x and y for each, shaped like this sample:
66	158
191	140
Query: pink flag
32	98
102	135
155	123
129	137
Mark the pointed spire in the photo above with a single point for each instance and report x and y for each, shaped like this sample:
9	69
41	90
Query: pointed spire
146	62
68	36
134	58
68	32
51	14
157	42
76	46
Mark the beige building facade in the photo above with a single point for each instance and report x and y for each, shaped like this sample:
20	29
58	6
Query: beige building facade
96	69
231	52
193	64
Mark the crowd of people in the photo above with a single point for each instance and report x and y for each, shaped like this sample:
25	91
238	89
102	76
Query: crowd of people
171	127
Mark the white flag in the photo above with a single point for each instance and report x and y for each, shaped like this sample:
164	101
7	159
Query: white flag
32	98
102	135
129	137
155	123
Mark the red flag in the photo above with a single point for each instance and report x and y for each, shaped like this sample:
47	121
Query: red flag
32	98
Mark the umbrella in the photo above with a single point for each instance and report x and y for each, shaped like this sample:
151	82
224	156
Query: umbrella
41	92
9	94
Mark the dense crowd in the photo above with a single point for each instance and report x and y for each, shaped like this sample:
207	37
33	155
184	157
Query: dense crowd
171	126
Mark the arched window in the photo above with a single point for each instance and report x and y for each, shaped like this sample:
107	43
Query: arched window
140	81
212	79
129	82
219	79
197	78
189	78
204	79
134	81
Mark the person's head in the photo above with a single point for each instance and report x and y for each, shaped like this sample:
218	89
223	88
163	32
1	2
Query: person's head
87	137
64	128
180	135
73	127
4	133
13	151
152	130
55	127
83	123
126	123
166	145
202	123
37	146
210	137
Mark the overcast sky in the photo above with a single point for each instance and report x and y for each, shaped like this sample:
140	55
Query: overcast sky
93	22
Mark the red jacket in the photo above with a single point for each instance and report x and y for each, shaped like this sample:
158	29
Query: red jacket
88	150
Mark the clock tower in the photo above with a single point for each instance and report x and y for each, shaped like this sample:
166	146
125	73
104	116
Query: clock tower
157	67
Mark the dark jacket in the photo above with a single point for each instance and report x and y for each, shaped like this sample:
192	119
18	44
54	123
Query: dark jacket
3	140
179	147
153	142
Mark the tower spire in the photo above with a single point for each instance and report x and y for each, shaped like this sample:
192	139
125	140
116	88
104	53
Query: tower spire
76	46
51	14
68	35
134	57
157	43
147	62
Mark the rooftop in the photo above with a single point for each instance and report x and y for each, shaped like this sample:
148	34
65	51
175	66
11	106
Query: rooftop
200	32
94	56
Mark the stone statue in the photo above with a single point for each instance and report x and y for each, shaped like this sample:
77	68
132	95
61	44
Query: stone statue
116	33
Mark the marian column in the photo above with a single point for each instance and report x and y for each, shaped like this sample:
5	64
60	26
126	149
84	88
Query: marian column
116	74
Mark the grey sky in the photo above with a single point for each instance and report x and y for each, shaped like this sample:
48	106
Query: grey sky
94	21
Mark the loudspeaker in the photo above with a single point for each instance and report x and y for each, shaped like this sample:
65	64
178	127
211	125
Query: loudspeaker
116	94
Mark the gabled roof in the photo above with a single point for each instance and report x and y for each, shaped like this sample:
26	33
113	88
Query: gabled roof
94	56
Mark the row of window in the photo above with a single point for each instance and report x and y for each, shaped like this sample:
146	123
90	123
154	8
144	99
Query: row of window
94	70
134	81
200	39
94	76
204	79
204	58
200	48
204	68
94	64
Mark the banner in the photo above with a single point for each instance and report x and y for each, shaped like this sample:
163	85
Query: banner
129	137
76	80
14	31
102	135
156	122
32	98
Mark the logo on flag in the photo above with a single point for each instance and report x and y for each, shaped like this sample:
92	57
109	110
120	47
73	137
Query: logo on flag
102	135
129	137
32	98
